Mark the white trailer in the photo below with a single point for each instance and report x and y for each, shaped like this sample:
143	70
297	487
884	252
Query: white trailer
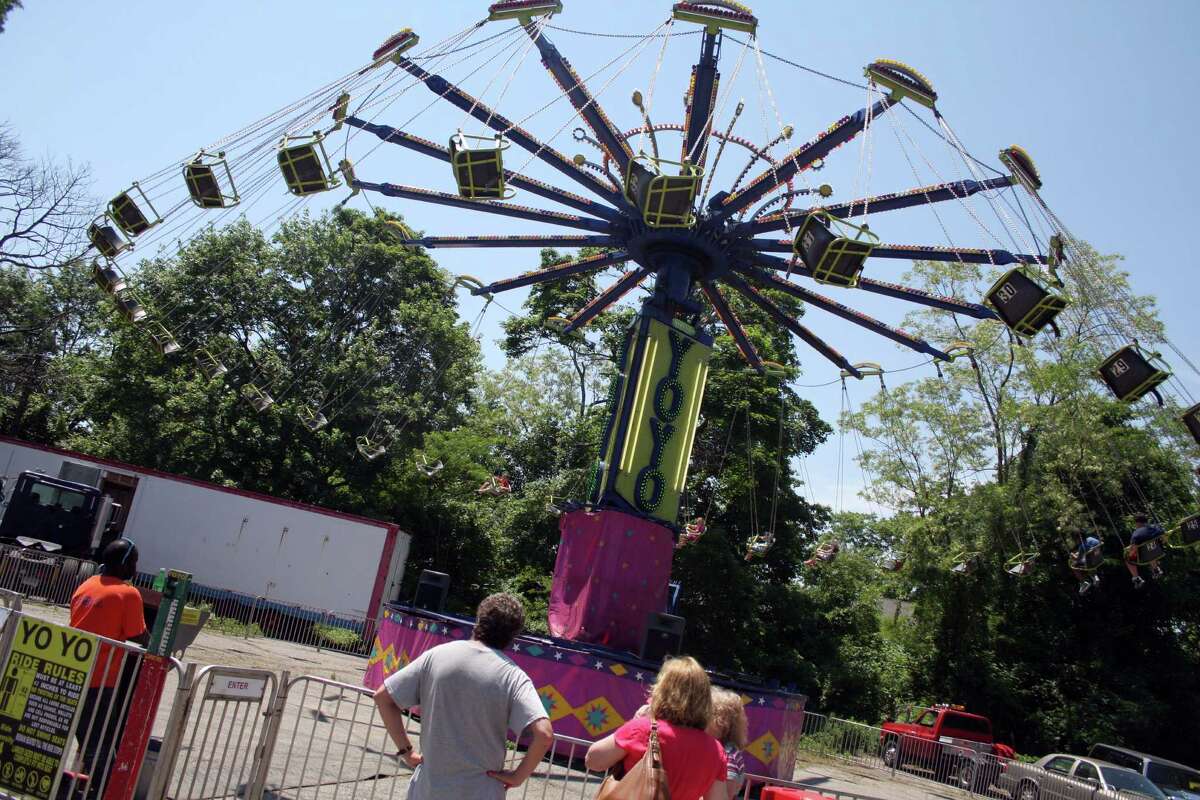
279	550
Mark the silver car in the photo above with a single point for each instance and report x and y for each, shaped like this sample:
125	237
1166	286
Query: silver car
1065	777
1177	781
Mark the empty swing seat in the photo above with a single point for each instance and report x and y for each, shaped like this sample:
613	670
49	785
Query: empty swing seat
106	240
204	177
1130	375
313	419
368	448
129	307
665	201
1022	303
305	166
1191	419
259	398
479	171
1189	531
107	278
128	214
163	340
210	365
833	258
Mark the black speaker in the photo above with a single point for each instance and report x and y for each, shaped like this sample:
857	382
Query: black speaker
662	637
431	591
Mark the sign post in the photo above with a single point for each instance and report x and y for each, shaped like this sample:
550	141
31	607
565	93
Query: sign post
152	678
43	682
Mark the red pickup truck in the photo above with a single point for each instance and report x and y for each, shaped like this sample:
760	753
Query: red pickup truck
948	741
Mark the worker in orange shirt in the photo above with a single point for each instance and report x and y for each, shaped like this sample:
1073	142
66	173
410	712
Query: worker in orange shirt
107	605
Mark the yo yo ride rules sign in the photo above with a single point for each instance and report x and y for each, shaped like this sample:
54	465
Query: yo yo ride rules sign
44	680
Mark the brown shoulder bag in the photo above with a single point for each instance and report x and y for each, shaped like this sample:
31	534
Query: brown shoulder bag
646	781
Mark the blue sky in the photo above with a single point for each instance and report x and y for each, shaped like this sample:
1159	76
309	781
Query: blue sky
138	86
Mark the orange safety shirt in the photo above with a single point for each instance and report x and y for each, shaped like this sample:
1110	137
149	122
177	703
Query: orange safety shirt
109	607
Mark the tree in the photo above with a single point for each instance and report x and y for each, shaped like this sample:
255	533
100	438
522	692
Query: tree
44	207
5	7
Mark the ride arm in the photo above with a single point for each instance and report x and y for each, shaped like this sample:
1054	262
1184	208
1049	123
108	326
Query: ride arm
724	206
733	325
424	146
581	98
501	124
564	240
589	264
793	325
503	209
919	252
612	294
922	195
974	310
845	312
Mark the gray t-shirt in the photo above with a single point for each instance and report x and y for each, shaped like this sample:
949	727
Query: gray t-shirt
470	695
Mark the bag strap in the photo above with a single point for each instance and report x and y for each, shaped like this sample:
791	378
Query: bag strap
655	755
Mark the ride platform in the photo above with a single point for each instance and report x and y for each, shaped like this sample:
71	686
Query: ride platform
590	690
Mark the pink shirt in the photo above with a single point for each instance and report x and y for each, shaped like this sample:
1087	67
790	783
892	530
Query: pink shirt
694	761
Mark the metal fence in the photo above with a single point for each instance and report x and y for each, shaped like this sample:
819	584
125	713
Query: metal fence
251	734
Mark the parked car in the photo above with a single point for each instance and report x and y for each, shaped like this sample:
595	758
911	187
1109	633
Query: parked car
1060	776
1177	781
945	739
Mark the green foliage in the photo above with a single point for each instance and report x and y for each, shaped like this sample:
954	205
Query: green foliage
5	7
335	636
1020	450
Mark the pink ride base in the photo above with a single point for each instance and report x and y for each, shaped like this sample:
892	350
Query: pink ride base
589	691
612	570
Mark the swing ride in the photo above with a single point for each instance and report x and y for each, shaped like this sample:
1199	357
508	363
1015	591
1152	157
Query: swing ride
659	203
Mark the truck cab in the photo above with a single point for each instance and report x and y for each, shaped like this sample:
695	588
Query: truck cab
56	515
50	532
945	739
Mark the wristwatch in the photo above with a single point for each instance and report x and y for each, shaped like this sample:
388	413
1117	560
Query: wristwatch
403	751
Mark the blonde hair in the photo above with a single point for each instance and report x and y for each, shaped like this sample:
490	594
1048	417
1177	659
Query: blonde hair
682	694
729	717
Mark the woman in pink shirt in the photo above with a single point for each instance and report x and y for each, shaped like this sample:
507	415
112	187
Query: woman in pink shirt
681	704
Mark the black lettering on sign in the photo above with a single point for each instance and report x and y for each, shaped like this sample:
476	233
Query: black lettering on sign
76	646
40	634
651	483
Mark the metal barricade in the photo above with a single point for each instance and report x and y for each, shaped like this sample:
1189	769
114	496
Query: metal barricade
328	740
101	712
213	745
561	774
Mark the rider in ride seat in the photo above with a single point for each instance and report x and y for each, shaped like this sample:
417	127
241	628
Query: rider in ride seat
1145	533
1087	579
827	551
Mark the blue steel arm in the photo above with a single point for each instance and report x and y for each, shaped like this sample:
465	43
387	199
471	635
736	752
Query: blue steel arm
842	131
920	196
501	124
965	255
612	294
503	209
732	324
895	290
426	147
773	281
564	240
916	252
589	264
702	94
577	92
777	313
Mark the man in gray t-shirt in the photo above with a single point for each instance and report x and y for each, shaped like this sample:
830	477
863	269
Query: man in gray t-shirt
470	695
